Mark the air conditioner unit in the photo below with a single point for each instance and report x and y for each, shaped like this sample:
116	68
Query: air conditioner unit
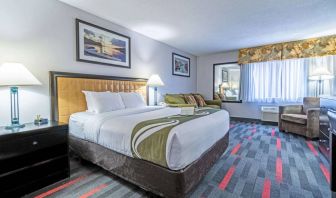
269	113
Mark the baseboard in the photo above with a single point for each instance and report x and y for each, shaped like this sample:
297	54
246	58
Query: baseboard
269	123
245	119
240	119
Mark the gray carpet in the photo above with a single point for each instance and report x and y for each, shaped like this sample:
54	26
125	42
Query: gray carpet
260	162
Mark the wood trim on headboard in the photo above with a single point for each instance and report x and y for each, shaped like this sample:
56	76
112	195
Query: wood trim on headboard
53	75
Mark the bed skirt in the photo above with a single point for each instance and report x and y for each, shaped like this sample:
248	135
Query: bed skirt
151	177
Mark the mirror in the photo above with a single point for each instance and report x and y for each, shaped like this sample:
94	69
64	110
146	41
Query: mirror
227	82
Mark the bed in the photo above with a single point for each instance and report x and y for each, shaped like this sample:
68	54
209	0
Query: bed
169	170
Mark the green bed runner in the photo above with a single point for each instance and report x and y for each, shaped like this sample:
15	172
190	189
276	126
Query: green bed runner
149	138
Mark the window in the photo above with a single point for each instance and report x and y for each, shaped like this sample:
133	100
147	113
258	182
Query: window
227	82
288	80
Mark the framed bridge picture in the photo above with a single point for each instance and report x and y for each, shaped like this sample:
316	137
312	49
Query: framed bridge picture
102	46
181	65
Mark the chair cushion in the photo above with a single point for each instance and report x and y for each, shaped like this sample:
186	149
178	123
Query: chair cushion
200	100
174	99
190	99
216	96
296	118
222	96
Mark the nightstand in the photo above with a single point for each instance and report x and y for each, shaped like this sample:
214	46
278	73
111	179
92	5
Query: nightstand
33	157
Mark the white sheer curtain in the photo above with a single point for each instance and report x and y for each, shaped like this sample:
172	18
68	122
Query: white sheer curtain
274	81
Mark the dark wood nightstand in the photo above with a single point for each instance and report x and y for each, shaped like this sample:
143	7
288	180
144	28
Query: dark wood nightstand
32	158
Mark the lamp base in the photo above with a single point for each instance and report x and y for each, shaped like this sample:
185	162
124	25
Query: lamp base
155	96
14	126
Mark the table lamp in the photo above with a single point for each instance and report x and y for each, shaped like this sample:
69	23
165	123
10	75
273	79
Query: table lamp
320	74
155	81
14	75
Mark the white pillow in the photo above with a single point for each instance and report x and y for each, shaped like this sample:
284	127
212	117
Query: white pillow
132	100
88	98
104	102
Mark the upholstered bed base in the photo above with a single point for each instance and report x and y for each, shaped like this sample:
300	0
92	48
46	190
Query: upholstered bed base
149	176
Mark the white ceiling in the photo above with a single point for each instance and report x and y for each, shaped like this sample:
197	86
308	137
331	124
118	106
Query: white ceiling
209	26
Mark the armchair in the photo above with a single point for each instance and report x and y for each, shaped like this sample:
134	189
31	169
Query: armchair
301	119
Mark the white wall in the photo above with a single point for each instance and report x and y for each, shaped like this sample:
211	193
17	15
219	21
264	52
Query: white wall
41	35
205	70
205	80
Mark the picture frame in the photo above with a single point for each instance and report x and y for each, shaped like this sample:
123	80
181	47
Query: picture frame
225	76
95	44
180	65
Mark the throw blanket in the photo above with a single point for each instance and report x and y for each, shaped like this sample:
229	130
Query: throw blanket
149	138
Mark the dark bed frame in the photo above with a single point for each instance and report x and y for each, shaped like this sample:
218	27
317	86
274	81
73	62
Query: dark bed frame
147	175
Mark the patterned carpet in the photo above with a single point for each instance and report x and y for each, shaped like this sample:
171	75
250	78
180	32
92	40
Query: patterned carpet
260	162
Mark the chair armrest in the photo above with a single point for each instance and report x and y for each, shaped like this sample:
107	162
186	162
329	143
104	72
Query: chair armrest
180	105
292	109
313	113
317	110
313	122
214	102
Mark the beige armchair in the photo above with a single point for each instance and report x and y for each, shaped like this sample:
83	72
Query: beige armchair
301	119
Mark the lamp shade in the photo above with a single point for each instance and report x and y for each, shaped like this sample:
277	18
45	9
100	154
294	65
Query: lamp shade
321	73
225	85
155	81
234	85
15	74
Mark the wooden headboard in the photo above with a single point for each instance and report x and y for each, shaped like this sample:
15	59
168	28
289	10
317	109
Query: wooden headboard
66	91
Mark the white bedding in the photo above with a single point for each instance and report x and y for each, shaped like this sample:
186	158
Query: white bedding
186	142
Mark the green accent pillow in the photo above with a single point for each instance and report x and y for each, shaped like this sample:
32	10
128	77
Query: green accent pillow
174	99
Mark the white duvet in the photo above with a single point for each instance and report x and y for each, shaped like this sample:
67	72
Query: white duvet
186	142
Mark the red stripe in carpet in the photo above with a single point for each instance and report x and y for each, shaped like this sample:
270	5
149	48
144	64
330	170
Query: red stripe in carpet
235	149
52	191
249	138
232	125
273	131
311	147
93	191
278	172
227	178
325	172
278	144
267	189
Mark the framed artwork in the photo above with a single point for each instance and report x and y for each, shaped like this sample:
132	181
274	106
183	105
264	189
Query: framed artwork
181	65
102	46
225	76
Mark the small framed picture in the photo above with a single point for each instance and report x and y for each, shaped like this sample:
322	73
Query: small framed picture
225	76
102	46
181	65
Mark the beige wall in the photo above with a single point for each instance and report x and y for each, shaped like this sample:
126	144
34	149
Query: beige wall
41	35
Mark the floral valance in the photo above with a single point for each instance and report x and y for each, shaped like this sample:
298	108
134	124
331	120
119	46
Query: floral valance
297	49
